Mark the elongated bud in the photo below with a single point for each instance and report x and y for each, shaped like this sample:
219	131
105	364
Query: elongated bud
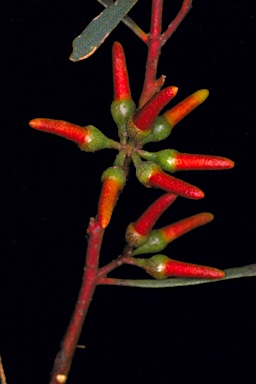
122	106
177	113
160	238
162	267
164	124
113	179
120	73
138	232
89	139
142	122
151	175
172	161
61	128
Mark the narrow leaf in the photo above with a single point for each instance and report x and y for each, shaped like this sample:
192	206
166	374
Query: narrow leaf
99	28
128	22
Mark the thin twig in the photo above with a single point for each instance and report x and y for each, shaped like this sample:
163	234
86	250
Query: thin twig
231	273
125	258
151	84
185	8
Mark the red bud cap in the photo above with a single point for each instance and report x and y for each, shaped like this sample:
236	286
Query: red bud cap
61	128
151	175
185	161
120	73
171	184
89	138
113	182
158	239
172	161
145	117
177	113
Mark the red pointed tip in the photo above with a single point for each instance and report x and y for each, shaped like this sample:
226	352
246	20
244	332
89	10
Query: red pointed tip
171	184
185	161
107	201
61	128
181	269
148	219
120	73
175	230
177	113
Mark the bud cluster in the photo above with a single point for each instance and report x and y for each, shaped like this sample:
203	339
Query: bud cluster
135	129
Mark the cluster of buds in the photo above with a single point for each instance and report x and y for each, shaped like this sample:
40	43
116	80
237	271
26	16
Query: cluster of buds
143	239
135	129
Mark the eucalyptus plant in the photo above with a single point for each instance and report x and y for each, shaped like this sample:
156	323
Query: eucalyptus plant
138	123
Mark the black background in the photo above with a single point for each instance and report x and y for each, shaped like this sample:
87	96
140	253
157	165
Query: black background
50	189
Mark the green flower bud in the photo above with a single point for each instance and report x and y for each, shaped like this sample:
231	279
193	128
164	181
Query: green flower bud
156	266
155	243
165	158
160	131
121	111
96	140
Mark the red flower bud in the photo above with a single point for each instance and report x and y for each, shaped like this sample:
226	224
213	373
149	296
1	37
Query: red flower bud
174	115
120	73
137	233
151	175
142	123
171	184
62	128
145	117
89	138
161	267
122	106
185	161
172	161
113	182
158	239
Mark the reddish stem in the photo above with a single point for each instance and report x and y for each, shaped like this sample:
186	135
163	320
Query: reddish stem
125	258
64	357
155	41
151	85
185	8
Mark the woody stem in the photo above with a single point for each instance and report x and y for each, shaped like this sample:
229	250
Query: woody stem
65	355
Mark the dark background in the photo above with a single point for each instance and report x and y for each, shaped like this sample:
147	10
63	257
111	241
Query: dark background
50	189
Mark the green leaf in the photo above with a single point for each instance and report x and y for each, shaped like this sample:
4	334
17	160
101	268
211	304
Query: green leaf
99	28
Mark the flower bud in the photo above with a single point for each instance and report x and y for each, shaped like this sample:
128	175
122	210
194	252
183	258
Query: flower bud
122	106
113	179
160	238
177	113
161	267
172	161
151	175
141	124
89	139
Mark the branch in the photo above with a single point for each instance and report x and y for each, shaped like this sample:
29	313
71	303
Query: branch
151	84
185	8
65	355
231	273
